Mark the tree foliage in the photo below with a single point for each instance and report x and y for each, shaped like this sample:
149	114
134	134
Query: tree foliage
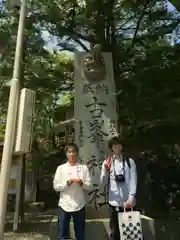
142	36
48	73
145	62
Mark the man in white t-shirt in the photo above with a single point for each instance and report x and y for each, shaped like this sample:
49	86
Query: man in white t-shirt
72	180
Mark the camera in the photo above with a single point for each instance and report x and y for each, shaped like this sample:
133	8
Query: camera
119	178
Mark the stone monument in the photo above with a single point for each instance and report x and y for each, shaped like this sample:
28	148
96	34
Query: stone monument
96	122
94	109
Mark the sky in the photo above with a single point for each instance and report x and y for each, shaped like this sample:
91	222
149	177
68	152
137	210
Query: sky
174	38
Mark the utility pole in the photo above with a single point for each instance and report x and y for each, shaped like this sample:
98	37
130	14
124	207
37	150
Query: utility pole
11	120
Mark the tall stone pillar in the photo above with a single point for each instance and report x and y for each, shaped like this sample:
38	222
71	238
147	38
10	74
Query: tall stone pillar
95	108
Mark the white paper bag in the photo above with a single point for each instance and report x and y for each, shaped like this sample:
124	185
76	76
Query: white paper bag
130	226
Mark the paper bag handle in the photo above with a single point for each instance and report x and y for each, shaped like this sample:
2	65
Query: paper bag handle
130	208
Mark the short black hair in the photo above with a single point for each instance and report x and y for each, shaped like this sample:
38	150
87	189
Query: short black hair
70	145
115	141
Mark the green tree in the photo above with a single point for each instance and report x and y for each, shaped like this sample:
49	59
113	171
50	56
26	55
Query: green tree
146	66
135	34
48	73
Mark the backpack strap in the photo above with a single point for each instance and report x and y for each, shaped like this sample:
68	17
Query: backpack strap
126	159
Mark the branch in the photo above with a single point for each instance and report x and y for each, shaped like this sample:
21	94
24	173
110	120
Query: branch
76	35
78	41
62	30
128	20
139	22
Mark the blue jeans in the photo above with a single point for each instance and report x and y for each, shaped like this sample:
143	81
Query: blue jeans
64	222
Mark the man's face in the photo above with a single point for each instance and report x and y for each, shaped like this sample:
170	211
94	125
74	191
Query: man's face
71	154
117	149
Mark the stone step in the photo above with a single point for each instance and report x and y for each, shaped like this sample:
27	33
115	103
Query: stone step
23	236
99	229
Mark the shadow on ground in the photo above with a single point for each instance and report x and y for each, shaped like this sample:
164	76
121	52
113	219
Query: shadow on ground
41	226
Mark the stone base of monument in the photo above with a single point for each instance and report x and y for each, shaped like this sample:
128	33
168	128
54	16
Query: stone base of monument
99	229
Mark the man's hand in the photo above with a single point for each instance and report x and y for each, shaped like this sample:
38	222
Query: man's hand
80	181
69	182
128	204
107	162
75	180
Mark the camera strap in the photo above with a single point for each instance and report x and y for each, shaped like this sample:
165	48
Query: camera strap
125	159
123	162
